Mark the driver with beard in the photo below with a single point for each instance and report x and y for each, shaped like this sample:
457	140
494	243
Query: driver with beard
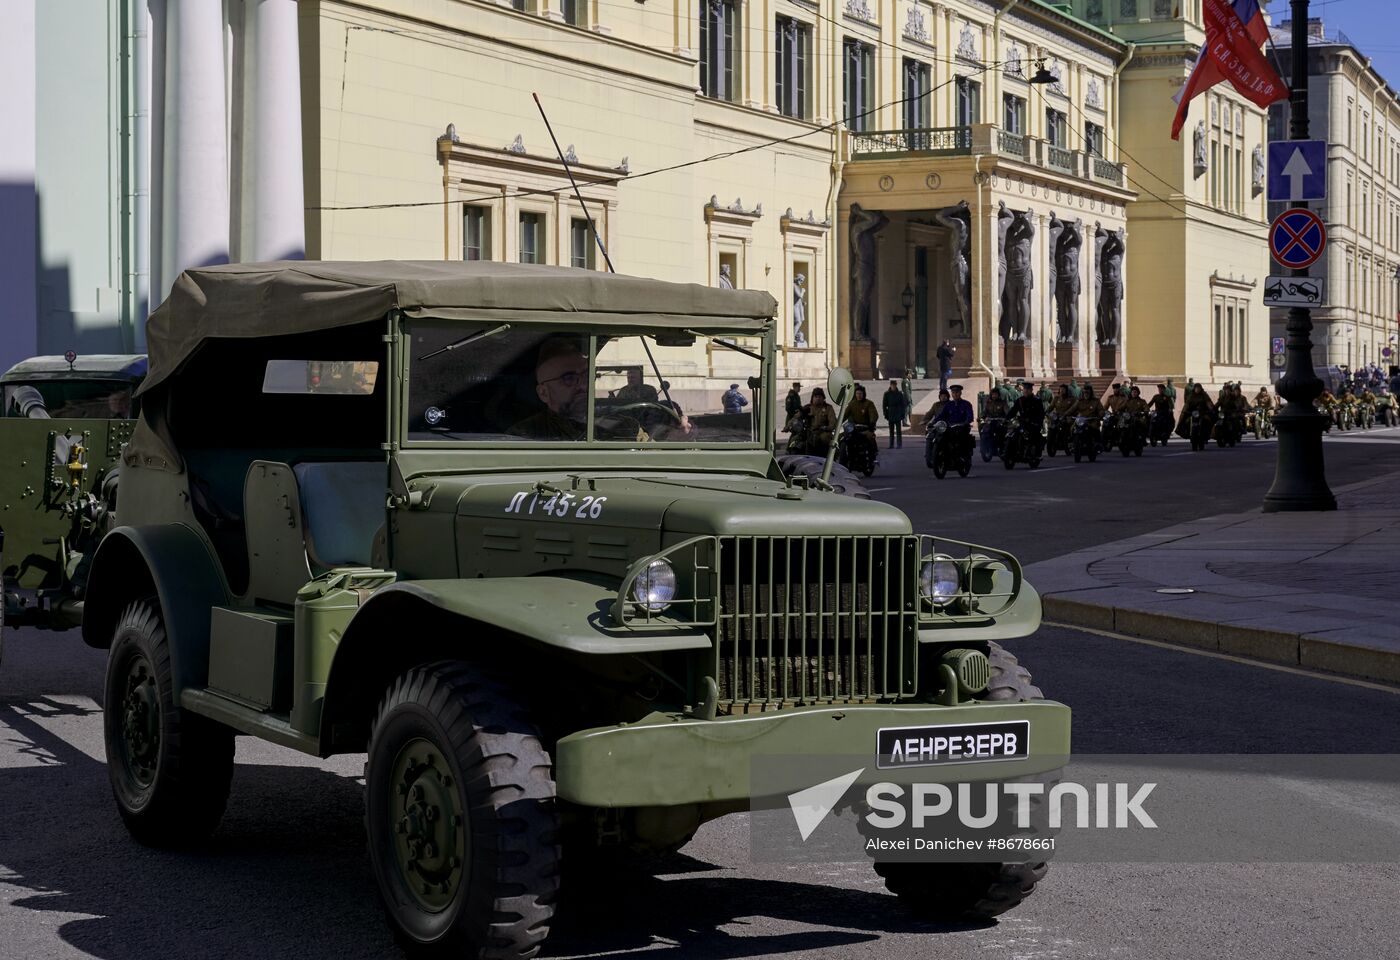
561	383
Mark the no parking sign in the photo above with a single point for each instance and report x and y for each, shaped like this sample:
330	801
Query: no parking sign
1297	238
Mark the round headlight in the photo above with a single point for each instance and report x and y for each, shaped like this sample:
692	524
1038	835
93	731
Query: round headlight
940	578
655	587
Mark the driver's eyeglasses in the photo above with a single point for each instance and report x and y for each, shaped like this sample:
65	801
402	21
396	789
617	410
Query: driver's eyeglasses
571	379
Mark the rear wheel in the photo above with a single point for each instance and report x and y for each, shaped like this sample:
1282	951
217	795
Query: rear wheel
170	769
461	818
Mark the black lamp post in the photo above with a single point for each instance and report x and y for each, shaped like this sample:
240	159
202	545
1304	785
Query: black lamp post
1300	479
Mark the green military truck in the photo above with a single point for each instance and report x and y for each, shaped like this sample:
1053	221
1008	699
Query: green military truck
407	509
63	421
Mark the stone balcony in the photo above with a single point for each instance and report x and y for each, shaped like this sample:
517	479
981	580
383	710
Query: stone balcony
983	139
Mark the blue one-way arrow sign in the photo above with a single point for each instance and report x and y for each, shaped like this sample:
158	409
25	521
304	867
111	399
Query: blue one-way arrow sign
1298	170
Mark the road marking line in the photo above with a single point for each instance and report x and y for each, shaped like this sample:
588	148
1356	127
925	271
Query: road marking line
1246	661
877	489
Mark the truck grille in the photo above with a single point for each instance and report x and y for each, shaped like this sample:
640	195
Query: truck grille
815	620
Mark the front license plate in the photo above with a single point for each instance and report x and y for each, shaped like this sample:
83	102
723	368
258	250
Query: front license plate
953	743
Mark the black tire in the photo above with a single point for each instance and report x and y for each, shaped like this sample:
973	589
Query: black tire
940	466
1008	462
495	798
1007	678
843	481
170	769
965	467
1078	457
1093	455
961	891
1035	463
1137	451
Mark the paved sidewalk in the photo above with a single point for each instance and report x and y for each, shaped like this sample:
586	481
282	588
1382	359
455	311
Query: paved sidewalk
1317	590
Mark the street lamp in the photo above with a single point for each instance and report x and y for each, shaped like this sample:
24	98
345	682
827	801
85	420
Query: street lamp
906	300
1300	479
1042	76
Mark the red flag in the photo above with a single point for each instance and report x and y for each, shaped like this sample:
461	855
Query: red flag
1234	33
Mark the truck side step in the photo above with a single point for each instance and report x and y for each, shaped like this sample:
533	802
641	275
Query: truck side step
268	726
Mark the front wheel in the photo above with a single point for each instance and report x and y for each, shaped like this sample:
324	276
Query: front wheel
170	769
961	891
965	467
460	815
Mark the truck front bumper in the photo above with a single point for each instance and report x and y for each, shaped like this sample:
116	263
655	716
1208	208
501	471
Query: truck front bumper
667	760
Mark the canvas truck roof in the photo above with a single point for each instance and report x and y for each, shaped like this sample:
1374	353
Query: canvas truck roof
300	296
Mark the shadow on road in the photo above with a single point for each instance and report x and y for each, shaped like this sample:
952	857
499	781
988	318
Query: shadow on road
286	875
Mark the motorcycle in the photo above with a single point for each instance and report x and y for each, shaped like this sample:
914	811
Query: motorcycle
1110	432
1229	430
949	447
1132	434
1386	412
991	432
857	449
1365	416
1346	415
1263	423
1057	434
1084	441
1023	444
1199	434
1160	428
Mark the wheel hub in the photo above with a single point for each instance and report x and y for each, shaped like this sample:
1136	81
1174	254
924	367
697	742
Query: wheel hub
430	830
140	724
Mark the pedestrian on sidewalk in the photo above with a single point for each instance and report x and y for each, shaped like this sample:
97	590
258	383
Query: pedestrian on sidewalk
894	413
792	406
945	363
734	400
907	388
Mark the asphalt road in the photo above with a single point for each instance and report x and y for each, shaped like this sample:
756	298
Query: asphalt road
1062	506
286	874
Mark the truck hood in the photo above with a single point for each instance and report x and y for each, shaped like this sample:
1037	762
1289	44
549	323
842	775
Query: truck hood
678	503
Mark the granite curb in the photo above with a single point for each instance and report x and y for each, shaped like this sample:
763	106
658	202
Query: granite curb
1115	587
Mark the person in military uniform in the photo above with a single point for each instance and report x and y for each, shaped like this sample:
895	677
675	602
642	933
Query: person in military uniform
1087	405
1075	390
792	405
1065	402
1197	399
1163	402
937	408
1046	396
894	410
561	383
1134	404
1117	396
862	410
995	405
821	423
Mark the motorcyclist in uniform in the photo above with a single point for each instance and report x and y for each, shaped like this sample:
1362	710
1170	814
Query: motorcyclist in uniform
1087	405
1196	400
1366	407
819	424
866	417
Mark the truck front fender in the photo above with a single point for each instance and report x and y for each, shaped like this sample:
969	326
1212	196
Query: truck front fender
406	624
172	562
557	612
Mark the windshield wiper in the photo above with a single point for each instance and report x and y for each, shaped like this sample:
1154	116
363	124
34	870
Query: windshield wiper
725	343
469	338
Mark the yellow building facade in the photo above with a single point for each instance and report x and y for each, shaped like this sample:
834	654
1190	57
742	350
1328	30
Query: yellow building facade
894	172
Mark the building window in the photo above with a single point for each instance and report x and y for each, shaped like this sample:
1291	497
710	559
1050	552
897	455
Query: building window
575	12
1225	181
476	233
1239	179
1093	138
582	249
794	54
1056	127
1214	175
518	5
969	102
531	238
719	48
918	105
1013	113
860	84
1218	354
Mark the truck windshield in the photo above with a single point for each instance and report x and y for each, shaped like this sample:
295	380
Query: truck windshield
495	383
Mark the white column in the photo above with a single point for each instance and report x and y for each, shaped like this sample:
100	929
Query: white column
273	215
141	182
194	188
19	212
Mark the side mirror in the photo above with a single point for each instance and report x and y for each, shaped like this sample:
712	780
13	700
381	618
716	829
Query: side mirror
838	386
